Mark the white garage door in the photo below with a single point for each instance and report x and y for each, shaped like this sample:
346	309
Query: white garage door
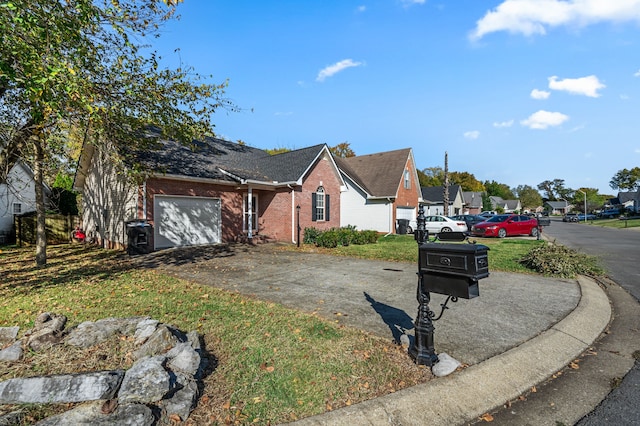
186	221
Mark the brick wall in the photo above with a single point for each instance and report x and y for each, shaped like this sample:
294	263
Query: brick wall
407	197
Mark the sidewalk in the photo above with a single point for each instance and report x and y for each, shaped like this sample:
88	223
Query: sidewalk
520	331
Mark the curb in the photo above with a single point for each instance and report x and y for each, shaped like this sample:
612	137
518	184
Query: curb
466	395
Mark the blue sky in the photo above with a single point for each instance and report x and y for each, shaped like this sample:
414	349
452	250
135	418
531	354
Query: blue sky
516	91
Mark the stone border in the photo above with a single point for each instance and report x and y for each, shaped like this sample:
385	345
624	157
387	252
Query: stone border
161	386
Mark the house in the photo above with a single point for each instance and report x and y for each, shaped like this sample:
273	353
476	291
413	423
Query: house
380	189
212	191
508	206
17	196
557	207
433	199
472	202
626	200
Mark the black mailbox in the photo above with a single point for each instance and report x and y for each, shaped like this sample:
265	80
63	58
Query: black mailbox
544	221
453	269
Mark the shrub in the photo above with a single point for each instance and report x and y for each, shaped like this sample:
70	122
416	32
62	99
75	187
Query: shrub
311	235
328	239
560	261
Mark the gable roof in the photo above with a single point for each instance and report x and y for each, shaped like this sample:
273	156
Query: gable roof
435	194
472	199
378	174
221	160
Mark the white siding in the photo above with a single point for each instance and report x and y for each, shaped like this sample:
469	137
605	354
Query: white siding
20	188
108	200
365	214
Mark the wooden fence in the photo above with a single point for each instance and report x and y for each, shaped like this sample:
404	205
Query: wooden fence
58	228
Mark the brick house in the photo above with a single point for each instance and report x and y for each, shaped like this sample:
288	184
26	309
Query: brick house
380	188
213	191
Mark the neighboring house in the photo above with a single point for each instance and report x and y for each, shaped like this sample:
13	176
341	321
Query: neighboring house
626	200
508	206
557	207
472	202
380	188
17	196
215	191
433	199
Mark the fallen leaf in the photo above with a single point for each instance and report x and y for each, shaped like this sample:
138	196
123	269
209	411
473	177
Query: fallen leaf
574	366
534	390
226	405
487	417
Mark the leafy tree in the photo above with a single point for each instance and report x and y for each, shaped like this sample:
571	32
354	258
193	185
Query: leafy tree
496	189
80	63
342	150
529	197
626	179
431	176
276	151
467	181
554	189
594	199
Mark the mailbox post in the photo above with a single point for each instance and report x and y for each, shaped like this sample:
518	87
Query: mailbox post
450	269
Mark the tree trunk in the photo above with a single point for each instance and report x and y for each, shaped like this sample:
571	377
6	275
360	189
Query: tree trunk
41	233
445	196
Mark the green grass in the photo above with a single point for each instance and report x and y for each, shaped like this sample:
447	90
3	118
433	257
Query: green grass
615	223
503	253
272	364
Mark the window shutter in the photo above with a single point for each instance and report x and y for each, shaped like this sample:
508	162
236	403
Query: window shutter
313	207
326	207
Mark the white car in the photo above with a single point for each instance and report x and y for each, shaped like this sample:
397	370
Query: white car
436	224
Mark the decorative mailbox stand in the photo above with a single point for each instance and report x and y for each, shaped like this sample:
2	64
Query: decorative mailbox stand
449	269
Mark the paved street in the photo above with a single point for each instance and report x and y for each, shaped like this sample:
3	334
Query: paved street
619	250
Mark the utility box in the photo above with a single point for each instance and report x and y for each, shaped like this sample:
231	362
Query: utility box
453	269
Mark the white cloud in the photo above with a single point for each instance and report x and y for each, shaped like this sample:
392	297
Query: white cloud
625	97
336	68
361	9
543	119
412	2
502	124
637	74
587	86
473	134
529	17
540	94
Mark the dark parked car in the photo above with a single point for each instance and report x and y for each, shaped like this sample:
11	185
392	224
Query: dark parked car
570	217
503	225
611	213
469	219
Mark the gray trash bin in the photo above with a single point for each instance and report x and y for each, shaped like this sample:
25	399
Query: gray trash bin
138	237
402	226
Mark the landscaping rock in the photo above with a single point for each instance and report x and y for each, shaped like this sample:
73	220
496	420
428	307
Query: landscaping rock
47	331
162	339
61	388
8	334
91	333
146	381
144	330
12	353
183	358
92	414
182	401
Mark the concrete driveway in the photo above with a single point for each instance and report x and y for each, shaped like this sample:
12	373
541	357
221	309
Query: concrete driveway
379	297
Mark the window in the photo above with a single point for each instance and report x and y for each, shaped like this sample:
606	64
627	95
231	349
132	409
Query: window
254	213
17	208
407	180
319	205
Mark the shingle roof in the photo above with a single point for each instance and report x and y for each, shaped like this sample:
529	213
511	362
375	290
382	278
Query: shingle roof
211	158
379	174
472	199
435	194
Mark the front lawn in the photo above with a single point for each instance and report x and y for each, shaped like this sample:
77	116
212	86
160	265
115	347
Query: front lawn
270	364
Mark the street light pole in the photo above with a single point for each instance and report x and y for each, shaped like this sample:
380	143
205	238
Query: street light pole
585	205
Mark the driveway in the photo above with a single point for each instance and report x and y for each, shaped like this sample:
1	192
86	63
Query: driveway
378	297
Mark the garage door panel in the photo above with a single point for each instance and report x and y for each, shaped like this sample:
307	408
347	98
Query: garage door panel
185	221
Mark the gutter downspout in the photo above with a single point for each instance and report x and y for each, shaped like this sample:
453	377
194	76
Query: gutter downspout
390	218
293	214
249	213
144	200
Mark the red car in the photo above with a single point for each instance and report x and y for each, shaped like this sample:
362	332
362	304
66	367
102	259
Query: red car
502	225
